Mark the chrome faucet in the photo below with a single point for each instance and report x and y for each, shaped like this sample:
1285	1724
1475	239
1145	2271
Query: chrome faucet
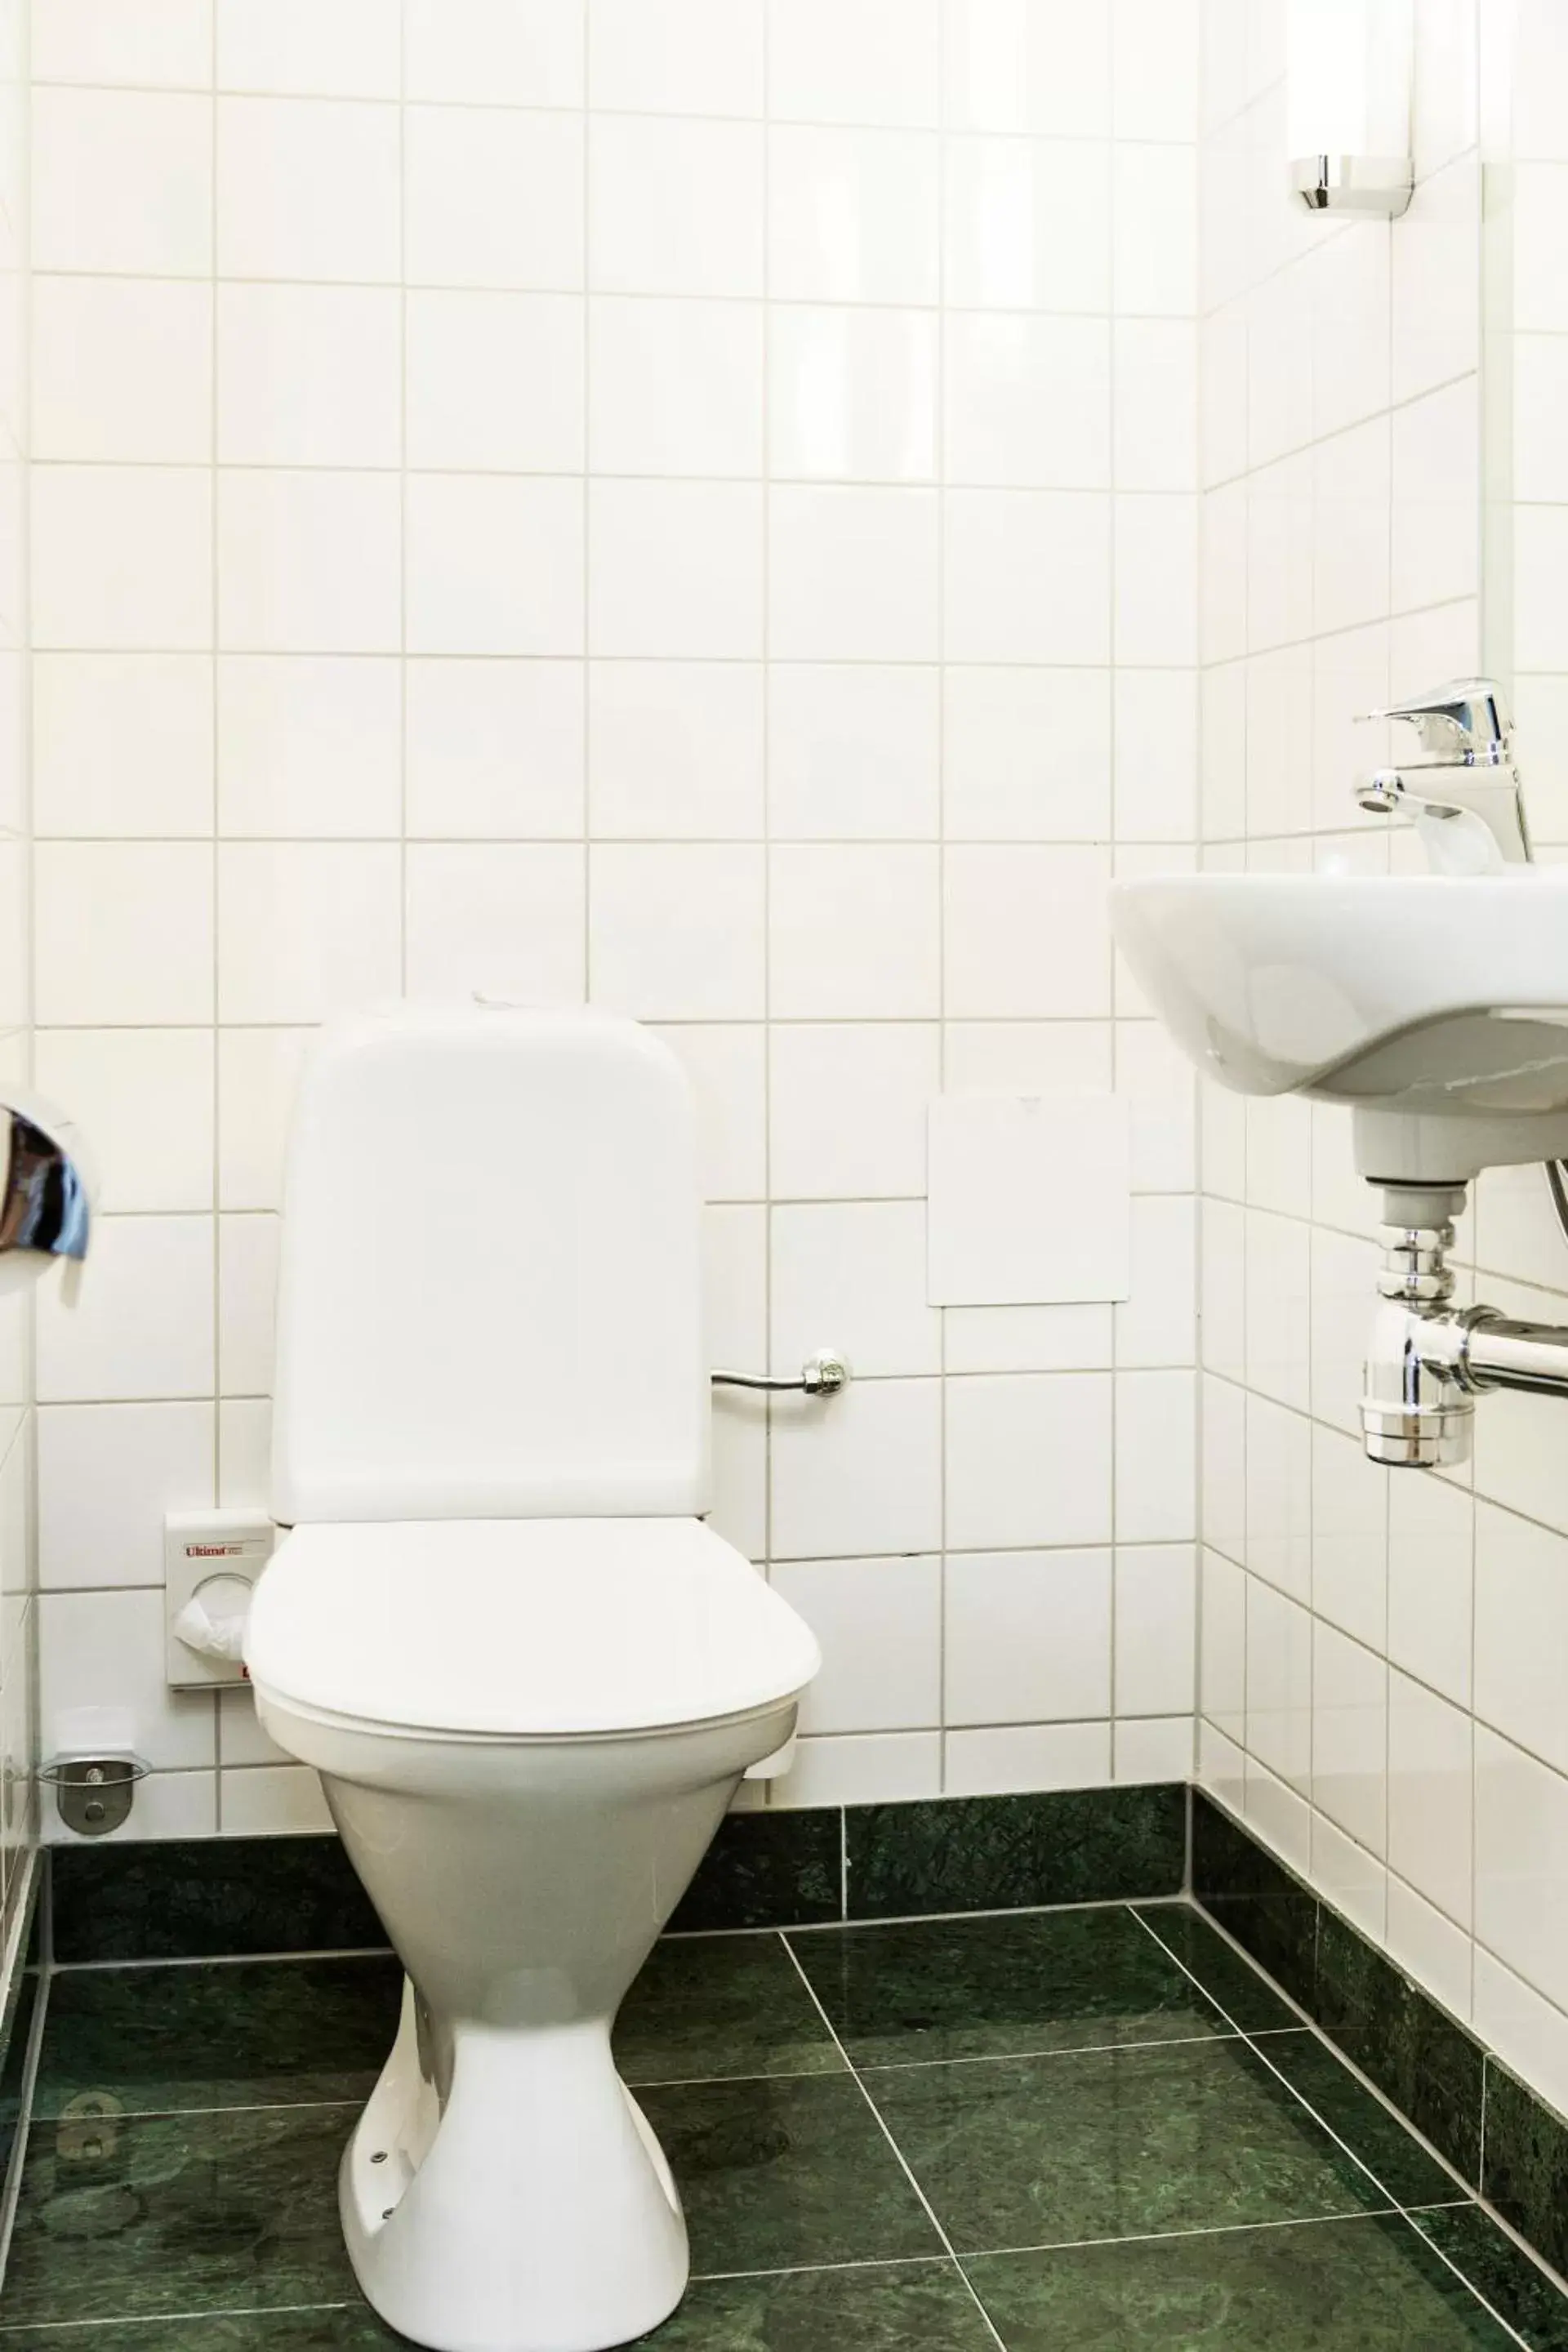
1465	798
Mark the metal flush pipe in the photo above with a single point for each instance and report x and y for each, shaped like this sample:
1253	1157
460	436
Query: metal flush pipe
1428	1360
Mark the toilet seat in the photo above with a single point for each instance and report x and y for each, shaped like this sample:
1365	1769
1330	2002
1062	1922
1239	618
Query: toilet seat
522	1629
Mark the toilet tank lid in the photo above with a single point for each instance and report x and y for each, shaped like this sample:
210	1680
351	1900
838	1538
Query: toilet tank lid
531	1628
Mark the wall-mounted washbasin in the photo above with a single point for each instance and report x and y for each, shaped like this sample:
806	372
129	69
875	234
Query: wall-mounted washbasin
1416	999
1436	1006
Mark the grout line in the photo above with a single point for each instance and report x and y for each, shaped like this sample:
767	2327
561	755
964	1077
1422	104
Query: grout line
585	771
539	291
209	659
162	2318
940	422
385	656
250	2107
1206	2230
926	1918
701	2082
403	470
1066	842
226	1960
897	2152
813	2270
29	1626
921	487
765	689
1006	1551
1071	2245
879	2066
1067	2049
1247	474
1113	584
758	120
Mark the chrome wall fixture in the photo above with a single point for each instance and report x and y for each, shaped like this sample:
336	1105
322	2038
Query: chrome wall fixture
823	1374
44	1191
1465	798
94	1793
1430	1360
1350	67
1381	186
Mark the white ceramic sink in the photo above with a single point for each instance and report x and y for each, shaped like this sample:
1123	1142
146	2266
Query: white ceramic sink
1432	997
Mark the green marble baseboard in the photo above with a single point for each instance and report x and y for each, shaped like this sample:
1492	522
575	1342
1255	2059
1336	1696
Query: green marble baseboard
207	1898
216	1899
18	2055
1498	2135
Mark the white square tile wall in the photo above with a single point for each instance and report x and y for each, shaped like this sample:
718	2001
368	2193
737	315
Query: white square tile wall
1381	1658
18	1549
685	505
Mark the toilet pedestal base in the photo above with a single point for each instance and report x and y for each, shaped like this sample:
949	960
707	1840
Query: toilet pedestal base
530	2212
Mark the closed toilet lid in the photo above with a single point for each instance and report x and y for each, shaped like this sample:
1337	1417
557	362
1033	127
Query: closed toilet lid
535	1628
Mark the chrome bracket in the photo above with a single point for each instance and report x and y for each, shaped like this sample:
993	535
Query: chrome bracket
94	1793
823	1374
1377	185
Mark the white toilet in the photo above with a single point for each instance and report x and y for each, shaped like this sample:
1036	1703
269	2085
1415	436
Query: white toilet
530	1676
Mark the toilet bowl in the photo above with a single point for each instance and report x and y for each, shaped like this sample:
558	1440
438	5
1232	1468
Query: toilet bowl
529	1715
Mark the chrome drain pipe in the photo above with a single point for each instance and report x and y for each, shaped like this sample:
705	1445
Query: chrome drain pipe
1430	1360
1502	1354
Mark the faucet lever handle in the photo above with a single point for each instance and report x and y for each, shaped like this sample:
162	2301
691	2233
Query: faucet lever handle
1466	723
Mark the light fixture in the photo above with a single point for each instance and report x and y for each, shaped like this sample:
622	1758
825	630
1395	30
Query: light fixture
1351	63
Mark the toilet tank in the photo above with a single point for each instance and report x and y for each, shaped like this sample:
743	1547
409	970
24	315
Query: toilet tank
490	1294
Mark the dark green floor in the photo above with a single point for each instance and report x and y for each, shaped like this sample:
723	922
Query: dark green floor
1055	2131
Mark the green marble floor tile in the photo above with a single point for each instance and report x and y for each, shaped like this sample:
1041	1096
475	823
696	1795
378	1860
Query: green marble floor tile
1245	1996
348	2327
707	2006
992	1986
1520	2292
916	2306
188	2213
1401	2166
902	2308
776	2175
1369	2285
258	2033
1112	2143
